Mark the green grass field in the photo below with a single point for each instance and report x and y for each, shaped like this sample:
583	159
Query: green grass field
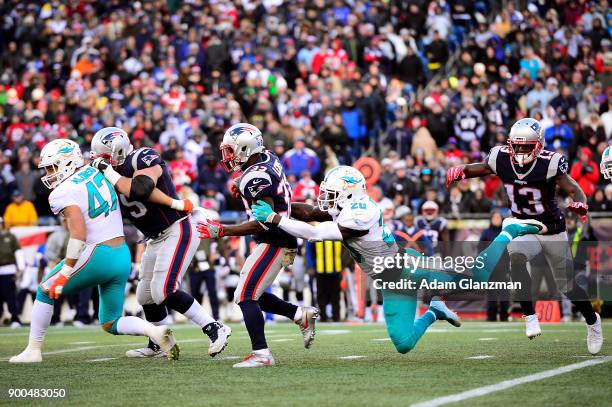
90	365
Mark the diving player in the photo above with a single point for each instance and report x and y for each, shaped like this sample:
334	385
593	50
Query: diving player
606	163
347	214
96	254
263	178
140	176
531	175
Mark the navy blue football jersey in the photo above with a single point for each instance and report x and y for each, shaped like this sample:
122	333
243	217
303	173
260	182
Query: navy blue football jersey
151	219
433	228
266	179
531	188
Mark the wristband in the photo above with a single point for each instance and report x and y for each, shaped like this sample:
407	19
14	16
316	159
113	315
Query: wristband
66	271
75	248
111	175
177	205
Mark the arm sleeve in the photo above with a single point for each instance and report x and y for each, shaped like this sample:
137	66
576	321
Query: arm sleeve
322	231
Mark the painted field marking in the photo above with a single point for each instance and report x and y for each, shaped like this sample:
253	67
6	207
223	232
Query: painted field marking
351	357
101	359
283	340
382	339
81	343
480	357
487	339
507	384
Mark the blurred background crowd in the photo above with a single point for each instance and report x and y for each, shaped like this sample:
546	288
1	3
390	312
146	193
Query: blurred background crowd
415	85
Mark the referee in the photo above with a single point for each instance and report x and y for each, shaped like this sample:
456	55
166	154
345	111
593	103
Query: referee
325	259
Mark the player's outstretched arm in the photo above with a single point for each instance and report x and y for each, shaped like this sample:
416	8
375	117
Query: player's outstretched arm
212	229
308	213
475	170
568	185
141	187
327	230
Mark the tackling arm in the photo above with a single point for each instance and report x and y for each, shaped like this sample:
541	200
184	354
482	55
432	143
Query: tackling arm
308	213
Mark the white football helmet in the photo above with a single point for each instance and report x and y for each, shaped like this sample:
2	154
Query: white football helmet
111	143
60	159
240	142
606	163
430	210
342	185
526	141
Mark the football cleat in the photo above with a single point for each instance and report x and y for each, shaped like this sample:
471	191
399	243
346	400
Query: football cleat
253	360
29	355
532	326
595	336
163	336
148	352
307	324
219	337
438	307
519	227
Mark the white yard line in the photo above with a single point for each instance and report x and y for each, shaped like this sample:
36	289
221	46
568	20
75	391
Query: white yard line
507	384
480	357
101	359
351	357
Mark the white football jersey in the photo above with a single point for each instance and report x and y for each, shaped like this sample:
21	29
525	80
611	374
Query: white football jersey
95	196
365	214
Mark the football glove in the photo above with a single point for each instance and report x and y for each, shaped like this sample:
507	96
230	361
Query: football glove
454	174
579	208
184	205
100	163
262	211
210	229
57	286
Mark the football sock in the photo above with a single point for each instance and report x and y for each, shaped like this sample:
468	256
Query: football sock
519	274
586	309
41	318
254	321
271	303
131	326
198	315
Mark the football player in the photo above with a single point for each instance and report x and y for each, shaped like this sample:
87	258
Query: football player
143	180
262	178
434	225
606	163
96	254
531	175
347	214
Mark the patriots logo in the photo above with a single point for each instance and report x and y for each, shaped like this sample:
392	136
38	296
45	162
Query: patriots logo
238	131
148	159
107	140
563	166
258	186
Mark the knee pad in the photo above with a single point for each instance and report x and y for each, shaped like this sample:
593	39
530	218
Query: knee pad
158	295
143	295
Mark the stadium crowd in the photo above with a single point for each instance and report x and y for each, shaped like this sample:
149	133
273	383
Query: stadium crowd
418	85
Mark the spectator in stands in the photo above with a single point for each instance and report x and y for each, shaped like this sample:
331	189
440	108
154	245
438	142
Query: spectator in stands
469	123
20	212
585	171
559	136
300	158
12	265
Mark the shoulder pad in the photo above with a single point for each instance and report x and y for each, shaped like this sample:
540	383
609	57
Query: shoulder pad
144	158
